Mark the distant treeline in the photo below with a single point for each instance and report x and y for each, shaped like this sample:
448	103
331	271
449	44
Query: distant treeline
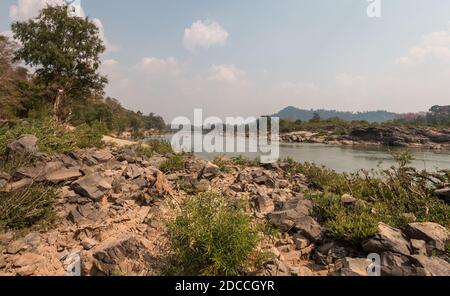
294	114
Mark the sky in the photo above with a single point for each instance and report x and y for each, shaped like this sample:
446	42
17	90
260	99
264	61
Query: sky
255	57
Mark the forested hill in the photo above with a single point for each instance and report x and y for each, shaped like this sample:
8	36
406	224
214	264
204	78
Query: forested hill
293	113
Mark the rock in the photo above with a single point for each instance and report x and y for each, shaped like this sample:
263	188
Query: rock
18	185
301	242
133	171
6	237
86	212
102	155
88	243
263	204
443	194
124	255
209	171
16	247
398	265
25	144
387	239
28	259
92	186
434	234
309	227
202	185
419	247
63	175
348	200
354	267
434	266
292	210
2	262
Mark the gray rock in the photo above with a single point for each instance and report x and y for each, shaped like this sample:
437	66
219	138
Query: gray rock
398	265
434	266
63	175
309	228
354	267
25	144
92	186
102	155
388	239
434	234
209	171
443	194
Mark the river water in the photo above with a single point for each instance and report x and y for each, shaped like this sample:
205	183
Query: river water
341	158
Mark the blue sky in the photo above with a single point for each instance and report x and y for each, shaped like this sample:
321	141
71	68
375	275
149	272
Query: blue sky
257	56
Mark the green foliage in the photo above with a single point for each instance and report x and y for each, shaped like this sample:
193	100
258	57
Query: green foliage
27	207
242	161
159	146
65	51
53	139
212	235
172	164
223	164
383	196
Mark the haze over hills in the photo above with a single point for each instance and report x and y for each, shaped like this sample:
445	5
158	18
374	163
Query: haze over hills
293	113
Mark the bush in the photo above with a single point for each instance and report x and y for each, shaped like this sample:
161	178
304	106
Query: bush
54	138
159	146
383	196
27	207
212	235
173	164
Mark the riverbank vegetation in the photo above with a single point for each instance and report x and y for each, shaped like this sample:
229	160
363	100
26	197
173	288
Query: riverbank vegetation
396	196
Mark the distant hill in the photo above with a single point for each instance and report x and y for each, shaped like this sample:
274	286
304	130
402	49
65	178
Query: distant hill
293	113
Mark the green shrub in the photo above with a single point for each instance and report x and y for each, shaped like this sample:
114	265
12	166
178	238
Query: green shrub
383	196
223	164
242	161
54	138
162	147
27	207
212	235
173	164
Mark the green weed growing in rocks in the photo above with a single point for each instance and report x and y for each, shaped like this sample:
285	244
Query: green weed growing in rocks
391	196
212	235
27	207
54	138
172	164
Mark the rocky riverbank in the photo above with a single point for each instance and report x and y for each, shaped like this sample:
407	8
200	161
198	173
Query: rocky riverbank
112	205
412	137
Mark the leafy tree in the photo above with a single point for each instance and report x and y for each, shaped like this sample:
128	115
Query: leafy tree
316	117
64	50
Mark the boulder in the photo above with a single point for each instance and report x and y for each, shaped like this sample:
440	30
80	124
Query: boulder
102	155
433	266
92	186
443	194
435	235
398	265
348	200
354	267
263	204
292	210
25	144
309	228
209	171
388	239
120	255
63	175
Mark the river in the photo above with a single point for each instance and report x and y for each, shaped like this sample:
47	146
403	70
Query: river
343	158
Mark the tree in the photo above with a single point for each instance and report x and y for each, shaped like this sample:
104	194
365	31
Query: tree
316	117
64	50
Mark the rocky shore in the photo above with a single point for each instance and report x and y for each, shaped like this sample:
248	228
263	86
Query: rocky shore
413	137
112	205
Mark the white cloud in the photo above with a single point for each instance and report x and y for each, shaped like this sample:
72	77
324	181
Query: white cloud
225	73
25	9
204	35
110	63
157	66
432	47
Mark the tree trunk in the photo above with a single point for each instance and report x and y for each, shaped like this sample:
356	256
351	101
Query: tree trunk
56	105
